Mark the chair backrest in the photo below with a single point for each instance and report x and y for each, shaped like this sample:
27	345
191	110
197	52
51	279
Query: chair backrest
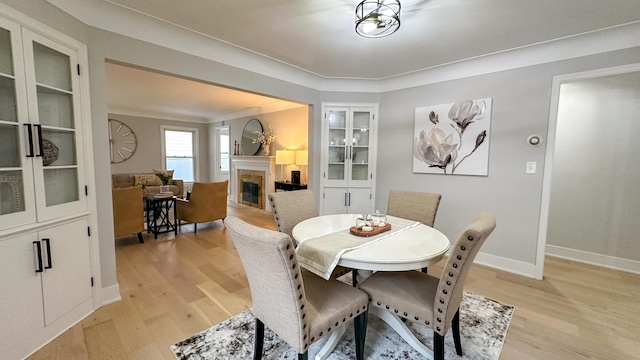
210	198
449	292
291	207
414	205
128	212
275	280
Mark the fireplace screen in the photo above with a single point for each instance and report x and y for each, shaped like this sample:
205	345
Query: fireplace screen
251	188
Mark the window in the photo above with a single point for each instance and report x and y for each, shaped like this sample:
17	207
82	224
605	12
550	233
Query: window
180	152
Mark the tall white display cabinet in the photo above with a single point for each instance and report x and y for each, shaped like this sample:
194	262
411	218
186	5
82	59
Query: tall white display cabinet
45	244
348	161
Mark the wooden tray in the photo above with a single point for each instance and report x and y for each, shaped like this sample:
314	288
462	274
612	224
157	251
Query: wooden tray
376	230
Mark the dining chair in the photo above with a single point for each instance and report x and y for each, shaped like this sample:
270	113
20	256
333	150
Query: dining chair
297	305
431	301
207	202
292	207
414	205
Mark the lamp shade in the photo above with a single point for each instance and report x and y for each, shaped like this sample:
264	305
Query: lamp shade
284	157
302	157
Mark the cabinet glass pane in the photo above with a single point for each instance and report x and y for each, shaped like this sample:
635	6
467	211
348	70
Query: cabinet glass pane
336	154
337	119
361	120
359	172
337	137
360	137
9	146
11	192
59	148
6	58
336	172
360	155
52	67
7	99
55	108
61	186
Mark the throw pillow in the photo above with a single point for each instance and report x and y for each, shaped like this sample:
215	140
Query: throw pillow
165	173
147	180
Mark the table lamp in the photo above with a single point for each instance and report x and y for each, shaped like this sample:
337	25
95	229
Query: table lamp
284	157
302	159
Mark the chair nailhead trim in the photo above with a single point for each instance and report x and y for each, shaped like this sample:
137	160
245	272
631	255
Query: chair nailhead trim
441	301
296	276
463	248
459	257
450	274
301	306
416	318
426	323
351	315
364	307
288	246
321	333
438	328
444	291
470	238
314	339
405	313
329	330
337	323
455	266
298	286
344	319
387	307
291	257
395	310
440	311
439	320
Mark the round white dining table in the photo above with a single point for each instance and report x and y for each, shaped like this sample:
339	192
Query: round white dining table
414	247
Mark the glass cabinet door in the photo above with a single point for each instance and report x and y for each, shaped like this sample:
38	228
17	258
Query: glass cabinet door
16	172
360	145
337	145
52	92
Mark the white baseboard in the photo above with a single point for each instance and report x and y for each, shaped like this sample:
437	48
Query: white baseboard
506	264
607	261
111	294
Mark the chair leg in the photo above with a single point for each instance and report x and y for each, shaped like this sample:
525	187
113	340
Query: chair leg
140	239
259	340
354	278
424	270
360	325
304	356
195	228
455	327
438	346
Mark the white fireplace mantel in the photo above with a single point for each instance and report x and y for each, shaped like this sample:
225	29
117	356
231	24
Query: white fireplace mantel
254	163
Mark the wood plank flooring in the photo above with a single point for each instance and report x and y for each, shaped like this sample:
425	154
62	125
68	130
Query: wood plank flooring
176	286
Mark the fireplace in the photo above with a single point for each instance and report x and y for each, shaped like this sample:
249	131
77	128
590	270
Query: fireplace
251	187
252	180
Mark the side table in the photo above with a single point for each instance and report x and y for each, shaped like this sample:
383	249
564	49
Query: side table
287	186
159	215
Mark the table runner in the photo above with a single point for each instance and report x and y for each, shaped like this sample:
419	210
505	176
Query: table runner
321	254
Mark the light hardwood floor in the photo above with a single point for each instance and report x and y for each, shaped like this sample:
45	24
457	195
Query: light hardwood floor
172	288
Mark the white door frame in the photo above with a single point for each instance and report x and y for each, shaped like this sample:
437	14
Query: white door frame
551	139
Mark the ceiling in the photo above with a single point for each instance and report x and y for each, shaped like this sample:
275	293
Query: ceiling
318	37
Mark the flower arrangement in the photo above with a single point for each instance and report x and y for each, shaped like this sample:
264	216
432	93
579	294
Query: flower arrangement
265	137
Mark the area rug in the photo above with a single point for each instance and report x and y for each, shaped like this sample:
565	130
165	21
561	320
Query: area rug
483	328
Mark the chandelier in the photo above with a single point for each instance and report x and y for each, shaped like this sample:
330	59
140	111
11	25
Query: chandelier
377	18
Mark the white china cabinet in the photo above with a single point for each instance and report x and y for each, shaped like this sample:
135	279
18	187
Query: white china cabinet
45	242
349	138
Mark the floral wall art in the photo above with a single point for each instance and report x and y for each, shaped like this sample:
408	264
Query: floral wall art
453	139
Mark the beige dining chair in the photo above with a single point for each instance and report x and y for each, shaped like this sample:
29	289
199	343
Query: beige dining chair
414	205
297	305
431	301
292	207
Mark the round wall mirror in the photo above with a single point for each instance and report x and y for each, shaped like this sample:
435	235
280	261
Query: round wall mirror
248	147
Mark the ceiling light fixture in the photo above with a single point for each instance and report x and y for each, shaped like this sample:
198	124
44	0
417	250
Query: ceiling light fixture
377	18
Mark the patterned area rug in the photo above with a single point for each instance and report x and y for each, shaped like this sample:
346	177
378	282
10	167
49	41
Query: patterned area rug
483	328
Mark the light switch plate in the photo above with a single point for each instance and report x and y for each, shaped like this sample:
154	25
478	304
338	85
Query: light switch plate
531	167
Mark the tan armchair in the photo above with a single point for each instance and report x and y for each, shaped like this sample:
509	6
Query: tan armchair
431	301
297	305
207	202
128	212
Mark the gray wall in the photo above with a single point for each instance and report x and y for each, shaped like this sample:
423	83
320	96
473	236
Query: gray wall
521	100
595	197
148	155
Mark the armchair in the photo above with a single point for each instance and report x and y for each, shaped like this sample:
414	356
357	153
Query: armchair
208	202
128	212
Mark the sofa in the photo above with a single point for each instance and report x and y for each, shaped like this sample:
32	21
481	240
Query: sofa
149	181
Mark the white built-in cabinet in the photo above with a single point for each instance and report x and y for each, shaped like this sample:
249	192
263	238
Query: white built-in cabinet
348	159
45	244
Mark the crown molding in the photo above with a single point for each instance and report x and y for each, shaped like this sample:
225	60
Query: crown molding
101	14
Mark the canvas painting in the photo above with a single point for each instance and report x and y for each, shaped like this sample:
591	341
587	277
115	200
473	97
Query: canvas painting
453	139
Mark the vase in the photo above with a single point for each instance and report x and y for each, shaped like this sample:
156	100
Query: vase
266	149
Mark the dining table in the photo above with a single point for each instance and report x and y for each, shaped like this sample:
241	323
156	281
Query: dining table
327	241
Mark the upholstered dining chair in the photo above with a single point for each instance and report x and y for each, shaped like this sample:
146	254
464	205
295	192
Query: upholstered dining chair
297	305
432	301
414	205
291	207
207	202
